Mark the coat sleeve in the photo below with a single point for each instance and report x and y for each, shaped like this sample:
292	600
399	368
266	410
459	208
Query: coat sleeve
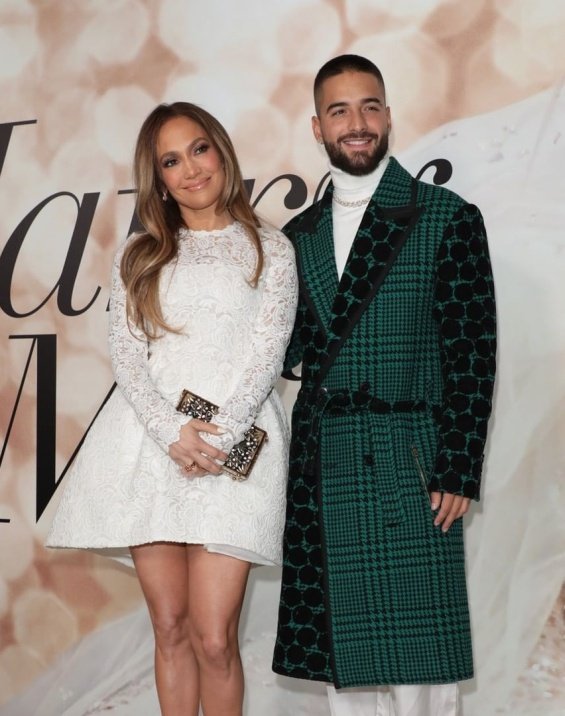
464	310
295	347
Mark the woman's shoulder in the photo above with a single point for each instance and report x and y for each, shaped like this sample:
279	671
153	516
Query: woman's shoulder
126	243
273	240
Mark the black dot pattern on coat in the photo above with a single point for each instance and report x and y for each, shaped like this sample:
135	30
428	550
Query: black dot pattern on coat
373	247
302	643
465	313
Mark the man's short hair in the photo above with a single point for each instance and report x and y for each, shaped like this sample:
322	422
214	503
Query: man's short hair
344	63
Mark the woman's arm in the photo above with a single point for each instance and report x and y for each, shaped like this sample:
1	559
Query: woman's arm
129	354
269	340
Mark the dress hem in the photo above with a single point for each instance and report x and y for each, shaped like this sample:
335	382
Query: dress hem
121	552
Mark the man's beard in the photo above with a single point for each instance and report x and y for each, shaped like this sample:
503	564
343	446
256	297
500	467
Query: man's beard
358	163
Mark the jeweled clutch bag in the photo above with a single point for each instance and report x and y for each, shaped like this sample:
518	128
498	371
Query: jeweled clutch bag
242	456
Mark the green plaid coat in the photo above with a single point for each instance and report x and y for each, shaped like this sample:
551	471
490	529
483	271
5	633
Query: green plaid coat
398	362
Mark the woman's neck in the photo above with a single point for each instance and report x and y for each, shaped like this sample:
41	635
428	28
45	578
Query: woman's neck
206	220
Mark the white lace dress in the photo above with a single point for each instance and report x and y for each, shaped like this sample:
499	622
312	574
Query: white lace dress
123	489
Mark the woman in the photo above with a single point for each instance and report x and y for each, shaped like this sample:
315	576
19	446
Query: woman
204	299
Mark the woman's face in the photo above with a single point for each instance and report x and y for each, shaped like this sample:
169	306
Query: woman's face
191	169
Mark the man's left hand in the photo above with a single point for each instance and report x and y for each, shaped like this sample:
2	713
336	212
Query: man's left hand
451	508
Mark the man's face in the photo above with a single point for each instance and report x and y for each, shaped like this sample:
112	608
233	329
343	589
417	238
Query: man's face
353	121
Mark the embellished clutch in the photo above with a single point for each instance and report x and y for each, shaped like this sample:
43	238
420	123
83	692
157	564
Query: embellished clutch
242	456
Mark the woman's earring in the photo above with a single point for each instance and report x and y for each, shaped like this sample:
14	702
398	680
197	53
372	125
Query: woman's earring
165	197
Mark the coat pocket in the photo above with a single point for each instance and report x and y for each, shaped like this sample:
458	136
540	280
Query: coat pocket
420	468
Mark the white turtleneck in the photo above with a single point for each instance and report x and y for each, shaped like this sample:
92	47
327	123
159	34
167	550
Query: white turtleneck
346	219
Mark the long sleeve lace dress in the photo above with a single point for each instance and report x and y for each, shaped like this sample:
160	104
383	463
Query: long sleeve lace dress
123	488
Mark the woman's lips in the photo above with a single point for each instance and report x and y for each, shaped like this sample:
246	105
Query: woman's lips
200	184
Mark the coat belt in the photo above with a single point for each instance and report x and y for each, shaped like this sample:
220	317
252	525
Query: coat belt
340	402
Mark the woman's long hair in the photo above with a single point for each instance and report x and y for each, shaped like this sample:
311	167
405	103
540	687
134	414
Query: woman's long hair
146	255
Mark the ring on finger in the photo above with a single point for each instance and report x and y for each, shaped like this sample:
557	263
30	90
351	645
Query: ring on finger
190	466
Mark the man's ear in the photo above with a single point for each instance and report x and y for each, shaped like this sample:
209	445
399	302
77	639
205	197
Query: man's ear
317	130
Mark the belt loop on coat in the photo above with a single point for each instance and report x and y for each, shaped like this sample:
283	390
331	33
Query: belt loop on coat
320	402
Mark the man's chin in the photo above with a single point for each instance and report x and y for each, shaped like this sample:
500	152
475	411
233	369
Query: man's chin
358	165
360	170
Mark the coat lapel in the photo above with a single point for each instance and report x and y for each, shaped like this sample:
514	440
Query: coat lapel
386	225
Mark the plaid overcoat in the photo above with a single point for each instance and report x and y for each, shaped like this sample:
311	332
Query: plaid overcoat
398	361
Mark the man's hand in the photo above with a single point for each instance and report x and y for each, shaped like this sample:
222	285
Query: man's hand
451	508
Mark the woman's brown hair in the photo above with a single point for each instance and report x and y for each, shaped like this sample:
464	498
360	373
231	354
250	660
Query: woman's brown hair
148	253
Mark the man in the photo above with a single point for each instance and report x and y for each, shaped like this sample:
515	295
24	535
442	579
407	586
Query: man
396	335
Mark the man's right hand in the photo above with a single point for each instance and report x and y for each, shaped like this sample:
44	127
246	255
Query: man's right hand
451	508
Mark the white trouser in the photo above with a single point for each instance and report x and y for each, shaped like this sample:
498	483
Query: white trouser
409	700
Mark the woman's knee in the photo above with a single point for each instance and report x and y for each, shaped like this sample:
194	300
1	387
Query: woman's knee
170	627
214	649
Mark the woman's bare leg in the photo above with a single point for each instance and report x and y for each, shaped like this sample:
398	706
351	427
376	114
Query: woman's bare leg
216	590
162	569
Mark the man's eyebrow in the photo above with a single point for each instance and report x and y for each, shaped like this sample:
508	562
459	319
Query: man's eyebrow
365	100
334	105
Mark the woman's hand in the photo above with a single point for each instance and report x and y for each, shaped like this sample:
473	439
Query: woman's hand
194	455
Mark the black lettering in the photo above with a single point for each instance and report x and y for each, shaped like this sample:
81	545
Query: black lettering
296	196
5	136
46	420
66	282
443	171
249	185
135	224
320	188
45	346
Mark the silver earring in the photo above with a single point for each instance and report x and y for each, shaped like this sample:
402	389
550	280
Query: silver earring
165	197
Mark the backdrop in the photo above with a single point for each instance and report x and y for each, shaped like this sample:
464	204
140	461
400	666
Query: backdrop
476	84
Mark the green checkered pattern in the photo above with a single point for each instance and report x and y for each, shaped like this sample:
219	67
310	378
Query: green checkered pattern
372	593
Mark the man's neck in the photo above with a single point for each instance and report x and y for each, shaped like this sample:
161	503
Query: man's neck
352	186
